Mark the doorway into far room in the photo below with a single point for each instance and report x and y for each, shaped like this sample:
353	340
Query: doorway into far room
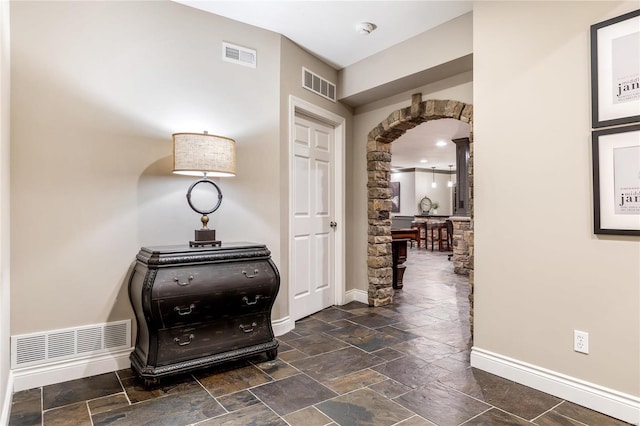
421	183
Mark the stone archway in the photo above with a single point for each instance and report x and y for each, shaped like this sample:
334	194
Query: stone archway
379	141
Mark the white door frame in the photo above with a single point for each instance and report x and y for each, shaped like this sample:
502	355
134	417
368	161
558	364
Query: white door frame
339	125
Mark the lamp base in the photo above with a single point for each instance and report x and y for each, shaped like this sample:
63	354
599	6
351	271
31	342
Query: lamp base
213	243
205	237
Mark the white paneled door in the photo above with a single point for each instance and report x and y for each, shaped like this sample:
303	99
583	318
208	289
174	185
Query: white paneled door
313	206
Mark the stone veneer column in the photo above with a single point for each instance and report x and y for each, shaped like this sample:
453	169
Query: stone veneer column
463	253
379	260
462	235
469	232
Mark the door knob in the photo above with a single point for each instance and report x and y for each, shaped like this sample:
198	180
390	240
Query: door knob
332	224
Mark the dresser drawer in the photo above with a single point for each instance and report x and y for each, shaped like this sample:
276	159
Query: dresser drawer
177	311
190	342
190	280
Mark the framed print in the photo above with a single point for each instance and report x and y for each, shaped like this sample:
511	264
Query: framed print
615	71
395	197
616	180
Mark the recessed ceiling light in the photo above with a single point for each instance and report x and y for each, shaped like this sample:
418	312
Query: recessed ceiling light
424	160
441	143
365	28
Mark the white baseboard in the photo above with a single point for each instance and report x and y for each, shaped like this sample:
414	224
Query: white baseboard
356	295
608	401
48	374
6	404
282	326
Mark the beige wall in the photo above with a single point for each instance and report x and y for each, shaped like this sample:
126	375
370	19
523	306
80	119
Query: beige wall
5	192
459	88
539	277
407	182
293	58
442	193
99	87
107	104
416	185
427	57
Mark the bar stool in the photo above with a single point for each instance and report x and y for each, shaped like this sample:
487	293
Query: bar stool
419	226
436	235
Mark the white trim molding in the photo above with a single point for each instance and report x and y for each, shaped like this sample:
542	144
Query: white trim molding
356	295
78	368
5	412
608	401
282	326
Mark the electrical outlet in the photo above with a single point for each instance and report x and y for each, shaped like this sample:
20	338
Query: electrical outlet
581	341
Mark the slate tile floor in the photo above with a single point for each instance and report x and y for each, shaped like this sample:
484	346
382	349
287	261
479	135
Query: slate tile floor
405	365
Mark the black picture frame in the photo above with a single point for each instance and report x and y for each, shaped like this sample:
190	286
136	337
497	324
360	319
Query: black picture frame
395	197
608	70
616	176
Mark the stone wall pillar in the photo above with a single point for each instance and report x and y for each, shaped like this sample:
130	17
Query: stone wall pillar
379	256
462	240
463	247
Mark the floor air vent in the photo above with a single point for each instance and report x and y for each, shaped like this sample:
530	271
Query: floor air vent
239	55
318	85
57	345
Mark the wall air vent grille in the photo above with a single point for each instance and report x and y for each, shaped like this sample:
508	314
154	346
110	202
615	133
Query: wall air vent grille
239	55
318	85
89	339
115	335
56	345
61	344
29	349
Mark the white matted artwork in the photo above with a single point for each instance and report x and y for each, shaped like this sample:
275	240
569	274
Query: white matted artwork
615	70
616	180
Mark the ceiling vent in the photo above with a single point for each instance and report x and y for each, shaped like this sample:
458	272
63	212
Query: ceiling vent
239	55
56	345
318	85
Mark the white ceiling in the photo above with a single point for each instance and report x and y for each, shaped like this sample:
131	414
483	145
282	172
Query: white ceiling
418	148
327	29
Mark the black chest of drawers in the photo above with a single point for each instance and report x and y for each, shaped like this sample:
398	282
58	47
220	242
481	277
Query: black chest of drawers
200	306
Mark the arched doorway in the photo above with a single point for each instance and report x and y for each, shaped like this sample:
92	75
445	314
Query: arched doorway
379	260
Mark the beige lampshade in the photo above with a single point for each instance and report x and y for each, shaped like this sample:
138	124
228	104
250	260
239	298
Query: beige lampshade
196	153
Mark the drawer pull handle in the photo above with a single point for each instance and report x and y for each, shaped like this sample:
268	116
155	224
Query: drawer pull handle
246	329
184	310
246	274
177	280
177	340
245	299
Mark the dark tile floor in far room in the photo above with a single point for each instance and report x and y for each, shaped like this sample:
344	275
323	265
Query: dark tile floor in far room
406	364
